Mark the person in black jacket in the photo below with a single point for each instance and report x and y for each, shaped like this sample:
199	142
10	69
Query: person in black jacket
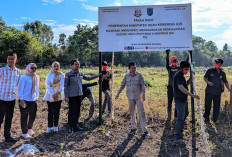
215	79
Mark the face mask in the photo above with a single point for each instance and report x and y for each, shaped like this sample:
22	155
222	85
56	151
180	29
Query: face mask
216	66
174	64
104	67
185	72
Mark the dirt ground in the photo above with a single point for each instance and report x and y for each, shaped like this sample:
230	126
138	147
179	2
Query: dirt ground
112	138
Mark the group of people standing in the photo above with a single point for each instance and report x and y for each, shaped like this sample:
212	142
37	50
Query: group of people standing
69	87
215	78
58	87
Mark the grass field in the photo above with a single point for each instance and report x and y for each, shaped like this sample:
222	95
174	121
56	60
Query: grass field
156	109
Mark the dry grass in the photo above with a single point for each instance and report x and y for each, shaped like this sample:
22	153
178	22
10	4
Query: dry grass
94	142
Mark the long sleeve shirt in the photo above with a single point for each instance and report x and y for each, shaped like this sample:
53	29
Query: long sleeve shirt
9	80
24	89
73	83
135	85
49	88
86	89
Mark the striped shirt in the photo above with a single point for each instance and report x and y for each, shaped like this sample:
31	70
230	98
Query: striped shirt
9	80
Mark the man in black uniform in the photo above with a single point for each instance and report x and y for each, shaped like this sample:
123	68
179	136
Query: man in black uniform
215	79
172	69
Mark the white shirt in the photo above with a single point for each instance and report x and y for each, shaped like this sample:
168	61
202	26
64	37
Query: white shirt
9	80
49	90
24	89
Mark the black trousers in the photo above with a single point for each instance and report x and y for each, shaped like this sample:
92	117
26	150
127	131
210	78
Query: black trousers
6	110
28	115
53	113
74	110
170	100
216	106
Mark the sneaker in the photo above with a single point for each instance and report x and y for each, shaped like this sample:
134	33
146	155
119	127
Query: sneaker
146	134
10	139
132	131
26	136
56	129
48	130
30	132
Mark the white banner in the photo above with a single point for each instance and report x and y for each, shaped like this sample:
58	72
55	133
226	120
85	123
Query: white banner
145	28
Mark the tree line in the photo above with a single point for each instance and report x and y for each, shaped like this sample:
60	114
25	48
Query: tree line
34	44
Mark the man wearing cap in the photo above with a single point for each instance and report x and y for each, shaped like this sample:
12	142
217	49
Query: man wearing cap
106	76
215	79
135	92
172	69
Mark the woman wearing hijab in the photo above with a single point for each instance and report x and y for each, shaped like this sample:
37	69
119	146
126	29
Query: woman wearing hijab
54	95
28	94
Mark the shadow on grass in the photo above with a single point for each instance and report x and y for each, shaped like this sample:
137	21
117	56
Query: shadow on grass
121	147
61	141
220	134
131	151
169	147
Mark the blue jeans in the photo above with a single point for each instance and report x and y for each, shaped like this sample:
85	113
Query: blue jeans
182	113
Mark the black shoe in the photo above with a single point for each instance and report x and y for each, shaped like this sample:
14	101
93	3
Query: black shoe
80	128
70	130
10	139
132	131
77	128
146	134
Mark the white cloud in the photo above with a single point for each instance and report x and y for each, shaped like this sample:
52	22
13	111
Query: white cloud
57	1
50	24
84	20
66	29
223	38
115	3
89	7
48	20
45	2
25	18
212	13
17	25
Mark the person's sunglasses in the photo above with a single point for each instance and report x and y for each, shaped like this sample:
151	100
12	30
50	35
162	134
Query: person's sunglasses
33	68
175	61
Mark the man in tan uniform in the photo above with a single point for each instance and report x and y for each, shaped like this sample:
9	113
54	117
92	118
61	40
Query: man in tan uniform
136	96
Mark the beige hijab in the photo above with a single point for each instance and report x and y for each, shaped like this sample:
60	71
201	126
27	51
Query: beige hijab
33	76
57	76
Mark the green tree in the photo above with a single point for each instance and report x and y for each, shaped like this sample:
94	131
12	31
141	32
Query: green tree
41	31
62	43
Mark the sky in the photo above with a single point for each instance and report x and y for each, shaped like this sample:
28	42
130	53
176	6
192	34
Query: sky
211	19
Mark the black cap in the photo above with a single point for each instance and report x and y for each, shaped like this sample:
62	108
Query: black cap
104	63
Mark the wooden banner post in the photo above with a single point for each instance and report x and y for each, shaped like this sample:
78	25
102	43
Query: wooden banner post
112	85
100	89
